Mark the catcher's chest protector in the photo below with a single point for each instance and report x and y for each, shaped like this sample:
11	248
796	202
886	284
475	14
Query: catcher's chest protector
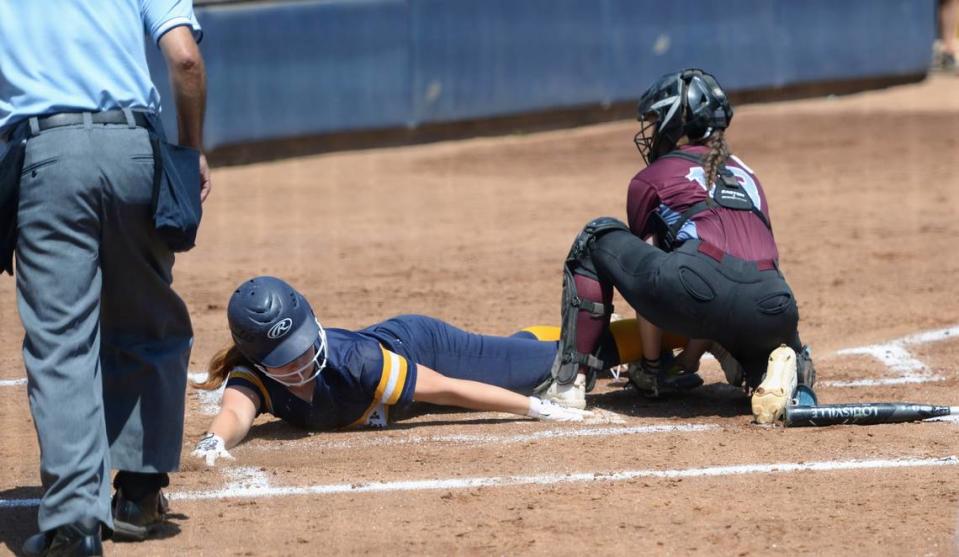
728	193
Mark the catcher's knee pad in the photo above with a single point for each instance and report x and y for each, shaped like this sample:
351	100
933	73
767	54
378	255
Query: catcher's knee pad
578	255
579	263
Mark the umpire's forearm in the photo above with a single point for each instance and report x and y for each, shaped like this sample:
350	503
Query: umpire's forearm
189	90
188	80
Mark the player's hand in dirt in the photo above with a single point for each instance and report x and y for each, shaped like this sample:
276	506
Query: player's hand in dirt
209	448
550	412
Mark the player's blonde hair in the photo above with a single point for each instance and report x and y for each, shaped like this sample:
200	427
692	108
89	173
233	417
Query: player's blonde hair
221	364
718	153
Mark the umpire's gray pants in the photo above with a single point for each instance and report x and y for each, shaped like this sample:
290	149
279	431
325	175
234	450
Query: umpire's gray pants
107	339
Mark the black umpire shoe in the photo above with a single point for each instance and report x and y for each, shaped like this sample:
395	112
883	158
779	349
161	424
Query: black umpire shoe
80	539
136	520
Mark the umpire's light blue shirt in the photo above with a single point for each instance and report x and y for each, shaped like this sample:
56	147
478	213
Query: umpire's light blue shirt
77	55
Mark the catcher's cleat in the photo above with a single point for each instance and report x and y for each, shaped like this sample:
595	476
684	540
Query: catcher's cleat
804	396
138	520
655	381
775	392
571	395
732	369
578	262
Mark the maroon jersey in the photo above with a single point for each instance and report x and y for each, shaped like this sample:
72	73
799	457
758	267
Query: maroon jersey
670	186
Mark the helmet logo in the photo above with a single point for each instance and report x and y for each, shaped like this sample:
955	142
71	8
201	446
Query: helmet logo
280	329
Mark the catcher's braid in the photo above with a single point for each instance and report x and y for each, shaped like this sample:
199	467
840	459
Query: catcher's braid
717	155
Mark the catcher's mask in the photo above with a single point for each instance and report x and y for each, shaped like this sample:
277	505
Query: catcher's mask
687	104
273	326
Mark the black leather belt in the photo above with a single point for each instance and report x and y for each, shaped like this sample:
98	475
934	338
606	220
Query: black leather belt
105	117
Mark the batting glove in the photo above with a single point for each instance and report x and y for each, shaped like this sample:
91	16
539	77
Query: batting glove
211	447
549	411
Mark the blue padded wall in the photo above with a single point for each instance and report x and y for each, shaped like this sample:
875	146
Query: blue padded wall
287	69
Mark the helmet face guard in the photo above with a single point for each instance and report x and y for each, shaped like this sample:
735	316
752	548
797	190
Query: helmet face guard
305	373
644	138
654	139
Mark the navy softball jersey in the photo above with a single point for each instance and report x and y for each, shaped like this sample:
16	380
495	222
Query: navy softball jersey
370	370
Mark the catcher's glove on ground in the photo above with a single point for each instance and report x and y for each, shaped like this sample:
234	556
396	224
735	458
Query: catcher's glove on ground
551	412
211	447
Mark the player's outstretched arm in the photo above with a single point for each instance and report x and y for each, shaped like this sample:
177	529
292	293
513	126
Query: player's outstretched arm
436	388
230	425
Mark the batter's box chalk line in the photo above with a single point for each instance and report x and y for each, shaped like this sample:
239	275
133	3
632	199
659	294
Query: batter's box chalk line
895	354
386	439
570	478
242	478
263	490
600	416
951	419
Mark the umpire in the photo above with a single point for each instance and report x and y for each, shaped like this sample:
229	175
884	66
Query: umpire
107	340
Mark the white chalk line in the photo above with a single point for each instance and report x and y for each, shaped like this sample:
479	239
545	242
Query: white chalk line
953	418
880	382
381	440
897	358
245	478
553	479
263	490
932	336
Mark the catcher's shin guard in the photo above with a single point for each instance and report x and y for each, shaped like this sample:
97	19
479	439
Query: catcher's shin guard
578	262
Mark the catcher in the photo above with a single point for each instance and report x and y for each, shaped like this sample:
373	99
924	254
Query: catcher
285	363
698	258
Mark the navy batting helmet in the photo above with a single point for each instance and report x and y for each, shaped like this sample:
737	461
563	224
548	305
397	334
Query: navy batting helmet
689	103
272	324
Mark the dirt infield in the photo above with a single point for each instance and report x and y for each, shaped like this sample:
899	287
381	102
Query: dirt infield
865	204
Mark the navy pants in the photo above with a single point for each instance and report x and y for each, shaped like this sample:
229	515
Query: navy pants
519	363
